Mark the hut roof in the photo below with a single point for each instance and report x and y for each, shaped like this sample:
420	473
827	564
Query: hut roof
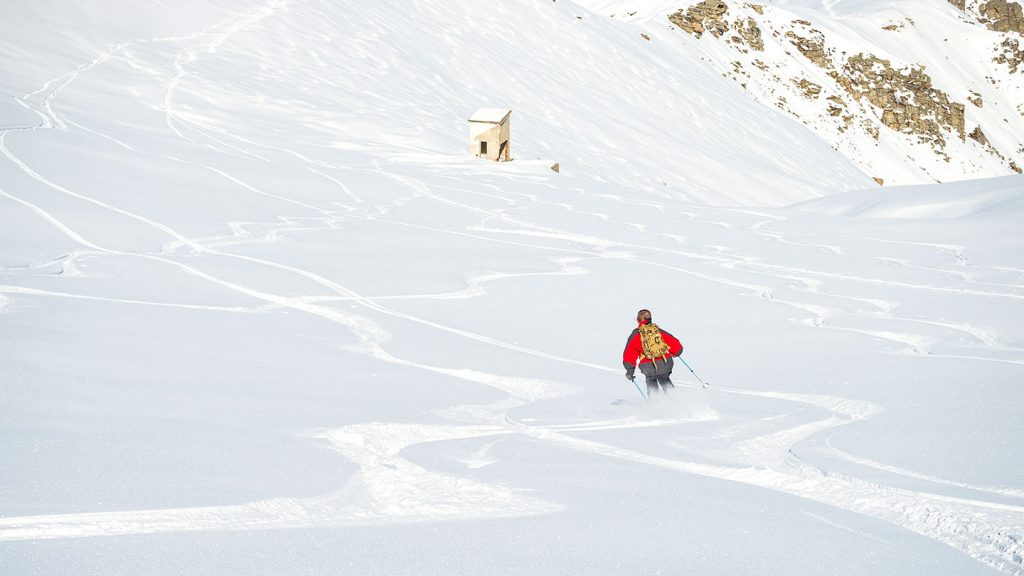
491	115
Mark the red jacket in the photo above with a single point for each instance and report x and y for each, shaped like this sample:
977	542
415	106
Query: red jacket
635	350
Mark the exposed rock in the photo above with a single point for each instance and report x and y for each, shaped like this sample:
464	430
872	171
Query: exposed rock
751	33
813	48
1002	16
878	180
645	36
868	92
1011	55
810	89
978	136
909	102
703	17
997	15
1015	168
898	25
870	127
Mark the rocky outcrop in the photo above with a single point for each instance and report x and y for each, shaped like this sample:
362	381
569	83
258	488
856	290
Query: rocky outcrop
907	99
812	46
978	136
751	34
900	25
852	97
997	15
1011	55
836	105
707	16
703	17
810	89
1002	16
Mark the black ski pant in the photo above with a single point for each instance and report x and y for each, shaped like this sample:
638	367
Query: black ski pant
657	373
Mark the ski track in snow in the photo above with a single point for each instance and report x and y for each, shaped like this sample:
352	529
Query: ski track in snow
1011	492
389	488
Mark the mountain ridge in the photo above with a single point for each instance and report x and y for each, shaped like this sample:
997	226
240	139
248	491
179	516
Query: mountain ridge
913	91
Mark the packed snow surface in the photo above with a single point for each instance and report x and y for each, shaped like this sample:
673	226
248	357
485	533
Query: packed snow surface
260	312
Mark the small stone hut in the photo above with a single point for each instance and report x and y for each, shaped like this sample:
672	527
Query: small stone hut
489	133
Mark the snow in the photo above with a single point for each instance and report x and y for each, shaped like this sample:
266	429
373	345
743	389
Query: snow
995	196
492	115
261	313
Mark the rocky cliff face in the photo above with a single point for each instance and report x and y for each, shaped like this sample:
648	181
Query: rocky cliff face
913	91
908	101
999	15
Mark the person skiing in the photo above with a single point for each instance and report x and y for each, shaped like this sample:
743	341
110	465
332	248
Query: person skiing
654	348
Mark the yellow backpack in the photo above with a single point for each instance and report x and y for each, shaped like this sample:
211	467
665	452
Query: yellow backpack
654	346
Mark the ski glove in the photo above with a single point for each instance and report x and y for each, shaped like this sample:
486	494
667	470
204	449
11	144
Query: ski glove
630	376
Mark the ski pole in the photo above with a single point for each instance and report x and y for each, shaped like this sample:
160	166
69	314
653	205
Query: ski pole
703	383
633	380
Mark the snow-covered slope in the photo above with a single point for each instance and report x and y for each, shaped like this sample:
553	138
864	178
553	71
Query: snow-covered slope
997	196
260	313
914	91
400	81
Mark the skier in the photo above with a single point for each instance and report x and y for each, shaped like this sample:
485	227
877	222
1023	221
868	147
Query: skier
654	348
